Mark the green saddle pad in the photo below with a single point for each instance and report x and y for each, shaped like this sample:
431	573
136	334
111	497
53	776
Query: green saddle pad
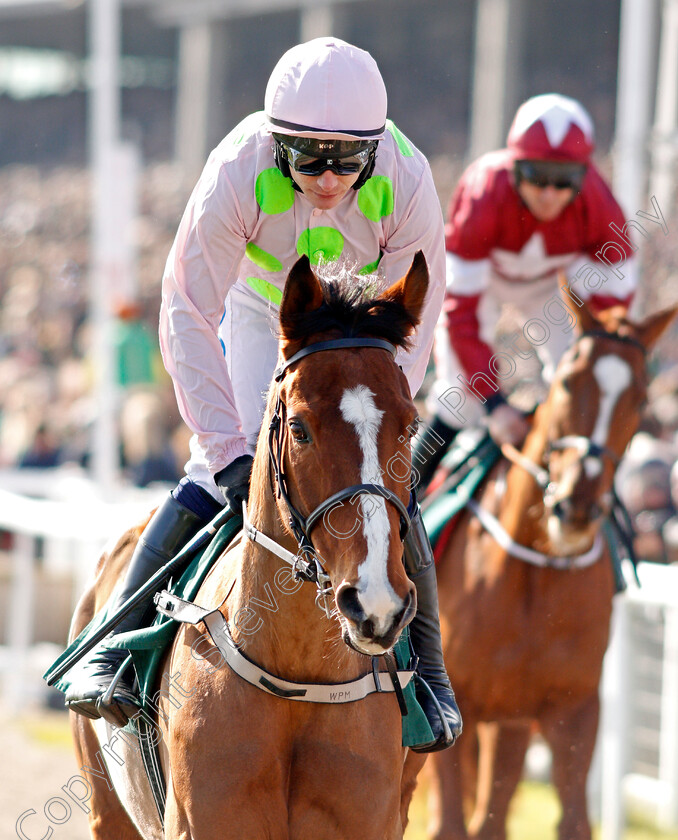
149	644
467	466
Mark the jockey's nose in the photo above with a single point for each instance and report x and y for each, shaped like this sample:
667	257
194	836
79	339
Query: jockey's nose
327	180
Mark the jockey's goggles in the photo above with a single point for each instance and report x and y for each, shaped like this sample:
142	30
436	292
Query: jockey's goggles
550	173
310	156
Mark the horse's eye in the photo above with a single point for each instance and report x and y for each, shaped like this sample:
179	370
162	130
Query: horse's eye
413	428
298	431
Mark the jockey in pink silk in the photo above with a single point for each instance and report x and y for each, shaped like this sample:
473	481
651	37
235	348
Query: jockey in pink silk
320	171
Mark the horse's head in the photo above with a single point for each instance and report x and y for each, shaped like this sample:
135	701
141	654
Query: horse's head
345	417
592	411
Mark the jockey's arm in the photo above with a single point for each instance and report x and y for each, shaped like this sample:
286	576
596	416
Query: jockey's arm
603	286
201	268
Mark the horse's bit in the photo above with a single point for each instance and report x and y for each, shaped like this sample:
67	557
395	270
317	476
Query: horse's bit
307	563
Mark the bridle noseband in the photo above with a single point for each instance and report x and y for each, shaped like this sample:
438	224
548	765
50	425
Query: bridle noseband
540	472
308	565
586	447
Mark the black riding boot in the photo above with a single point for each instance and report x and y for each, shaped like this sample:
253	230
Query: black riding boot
170	528
429	449
434	691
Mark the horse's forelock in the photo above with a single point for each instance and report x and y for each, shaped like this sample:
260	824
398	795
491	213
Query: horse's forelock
352	307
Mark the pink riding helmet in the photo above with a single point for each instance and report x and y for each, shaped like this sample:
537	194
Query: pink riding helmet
326	88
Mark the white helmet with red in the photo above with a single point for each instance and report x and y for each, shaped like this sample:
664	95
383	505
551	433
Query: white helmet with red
552	127
326	88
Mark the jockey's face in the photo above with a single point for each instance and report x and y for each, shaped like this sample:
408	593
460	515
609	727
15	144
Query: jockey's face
326	190
545	203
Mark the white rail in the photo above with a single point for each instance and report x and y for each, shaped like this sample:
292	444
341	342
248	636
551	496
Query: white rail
640	705
72	528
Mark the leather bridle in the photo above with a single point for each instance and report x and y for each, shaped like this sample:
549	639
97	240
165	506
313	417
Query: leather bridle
309	566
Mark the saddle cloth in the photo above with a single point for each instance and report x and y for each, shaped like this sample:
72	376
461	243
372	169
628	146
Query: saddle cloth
148	645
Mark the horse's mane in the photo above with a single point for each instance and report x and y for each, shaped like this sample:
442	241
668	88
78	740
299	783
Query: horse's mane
352	307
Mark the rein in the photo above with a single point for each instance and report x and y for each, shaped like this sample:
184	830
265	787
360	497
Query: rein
307	563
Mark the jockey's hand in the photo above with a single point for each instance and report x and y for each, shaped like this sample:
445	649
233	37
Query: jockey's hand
507	425
234	482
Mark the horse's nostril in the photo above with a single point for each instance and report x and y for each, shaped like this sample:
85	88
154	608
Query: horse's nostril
407	612
561	509
349	603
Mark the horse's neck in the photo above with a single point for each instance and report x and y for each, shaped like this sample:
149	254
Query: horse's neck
522	510
276	618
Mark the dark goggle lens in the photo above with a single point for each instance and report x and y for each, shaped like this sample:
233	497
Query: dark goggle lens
562	176
341	164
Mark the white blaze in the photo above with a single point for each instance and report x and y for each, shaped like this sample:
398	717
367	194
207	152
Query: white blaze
613	376
376	593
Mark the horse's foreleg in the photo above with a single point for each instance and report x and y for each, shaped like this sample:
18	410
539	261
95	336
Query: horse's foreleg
446	792
108	820
502	749
412	765
572	738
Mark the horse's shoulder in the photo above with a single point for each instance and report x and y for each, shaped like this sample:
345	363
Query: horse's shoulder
221	577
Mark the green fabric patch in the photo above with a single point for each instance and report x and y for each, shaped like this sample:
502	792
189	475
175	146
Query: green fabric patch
375	198
266	289
480	461
371	267
406	149
320	244
416	728
274	192
262	259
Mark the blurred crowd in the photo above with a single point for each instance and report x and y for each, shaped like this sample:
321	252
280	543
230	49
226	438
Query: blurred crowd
46	404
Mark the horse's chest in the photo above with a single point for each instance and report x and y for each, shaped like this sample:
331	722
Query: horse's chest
519	646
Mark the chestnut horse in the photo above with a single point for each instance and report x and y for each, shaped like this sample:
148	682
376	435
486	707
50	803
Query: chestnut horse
242	760
526	585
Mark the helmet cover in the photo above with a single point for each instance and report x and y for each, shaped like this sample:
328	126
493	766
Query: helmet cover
326	88
551	127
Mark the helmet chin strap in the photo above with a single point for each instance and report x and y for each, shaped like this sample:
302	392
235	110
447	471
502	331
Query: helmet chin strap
283	165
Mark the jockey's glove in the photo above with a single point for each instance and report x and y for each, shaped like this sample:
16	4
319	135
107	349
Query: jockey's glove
234	482
505	423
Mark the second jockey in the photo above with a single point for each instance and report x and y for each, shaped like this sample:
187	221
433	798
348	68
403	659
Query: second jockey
519	219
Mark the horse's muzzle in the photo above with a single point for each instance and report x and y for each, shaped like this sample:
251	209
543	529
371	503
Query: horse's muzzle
370	634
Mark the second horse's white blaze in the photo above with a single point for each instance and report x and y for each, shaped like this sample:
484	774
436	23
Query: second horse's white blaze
377	596
613	376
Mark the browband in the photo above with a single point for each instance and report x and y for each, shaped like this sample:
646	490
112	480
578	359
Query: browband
333	344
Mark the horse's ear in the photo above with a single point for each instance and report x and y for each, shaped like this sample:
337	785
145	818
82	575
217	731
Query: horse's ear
302	293
653	326
410	290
